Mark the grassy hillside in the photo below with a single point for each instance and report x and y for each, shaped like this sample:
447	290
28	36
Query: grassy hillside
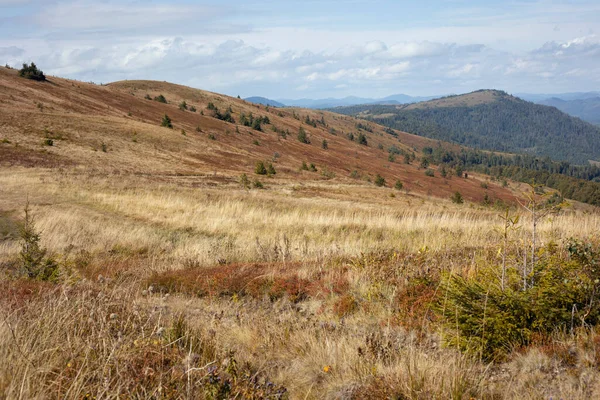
492	120
147	267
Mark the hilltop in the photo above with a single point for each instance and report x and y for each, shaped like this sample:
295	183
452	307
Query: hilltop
492	120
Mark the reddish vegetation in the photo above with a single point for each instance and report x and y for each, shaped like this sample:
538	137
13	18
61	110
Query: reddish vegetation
273	281
86	117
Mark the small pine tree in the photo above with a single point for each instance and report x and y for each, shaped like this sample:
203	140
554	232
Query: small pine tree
256	125
32	72
302	137
324	144
161	99
379	180
260	168
362	139
457	198
166	122
32	254
398	185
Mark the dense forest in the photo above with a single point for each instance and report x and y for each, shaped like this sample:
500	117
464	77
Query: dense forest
581	183
504	123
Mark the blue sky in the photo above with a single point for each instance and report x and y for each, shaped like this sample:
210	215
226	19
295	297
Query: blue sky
296	49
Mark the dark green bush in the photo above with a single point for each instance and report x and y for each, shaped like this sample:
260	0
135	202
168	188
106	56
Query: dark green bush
302	136
487	321
260	168
379	180
32	72
161	99
166	122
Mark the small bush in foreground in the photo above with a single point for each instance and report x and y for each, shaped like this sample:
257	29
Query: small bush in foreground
33	257
561	295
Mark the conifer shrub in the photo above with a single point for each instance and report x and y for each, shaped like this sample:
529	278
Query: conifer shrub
33	256
302	136
32	72
457	198
560	294
379	180
166	122
260	168
161	99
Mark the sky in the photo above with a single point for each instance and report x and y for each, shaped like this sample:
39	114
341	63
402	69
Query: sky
312	49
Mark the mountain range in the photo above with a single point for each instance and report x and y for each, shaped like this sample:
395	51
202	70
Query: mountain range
338	102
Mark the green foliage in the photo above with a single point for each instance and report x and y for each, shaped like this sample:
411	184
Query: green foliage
362	139
33	257
258	184
302	136
166	122
183	106
429	172
256	125
485	320
457	198
398	185
304	166
161	99
32	72
379	180
193	109
260	168
270	169
312	167
49	142
504	123
324	144
211	106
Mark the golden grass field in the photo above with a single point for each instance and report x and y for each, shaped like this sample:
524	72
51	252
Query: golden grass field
175	281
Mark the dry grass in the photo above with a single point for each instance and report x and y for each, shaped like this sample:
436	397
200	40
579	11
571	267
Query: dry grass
176	282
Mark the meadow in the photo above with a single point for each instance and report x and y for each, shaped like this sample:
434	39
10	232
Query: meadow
158	262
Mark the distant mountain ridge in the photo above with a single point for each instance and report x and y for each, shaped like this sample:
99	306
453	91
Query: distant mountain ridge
331	102
264	101
584	105
586	109
492	120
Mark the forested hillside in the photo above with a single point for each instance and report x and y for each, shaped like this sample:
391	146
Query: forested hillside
492	120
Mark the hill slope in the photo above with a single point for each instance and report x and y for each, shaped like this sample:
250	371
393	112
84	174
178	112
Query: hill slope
116	129
493	120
